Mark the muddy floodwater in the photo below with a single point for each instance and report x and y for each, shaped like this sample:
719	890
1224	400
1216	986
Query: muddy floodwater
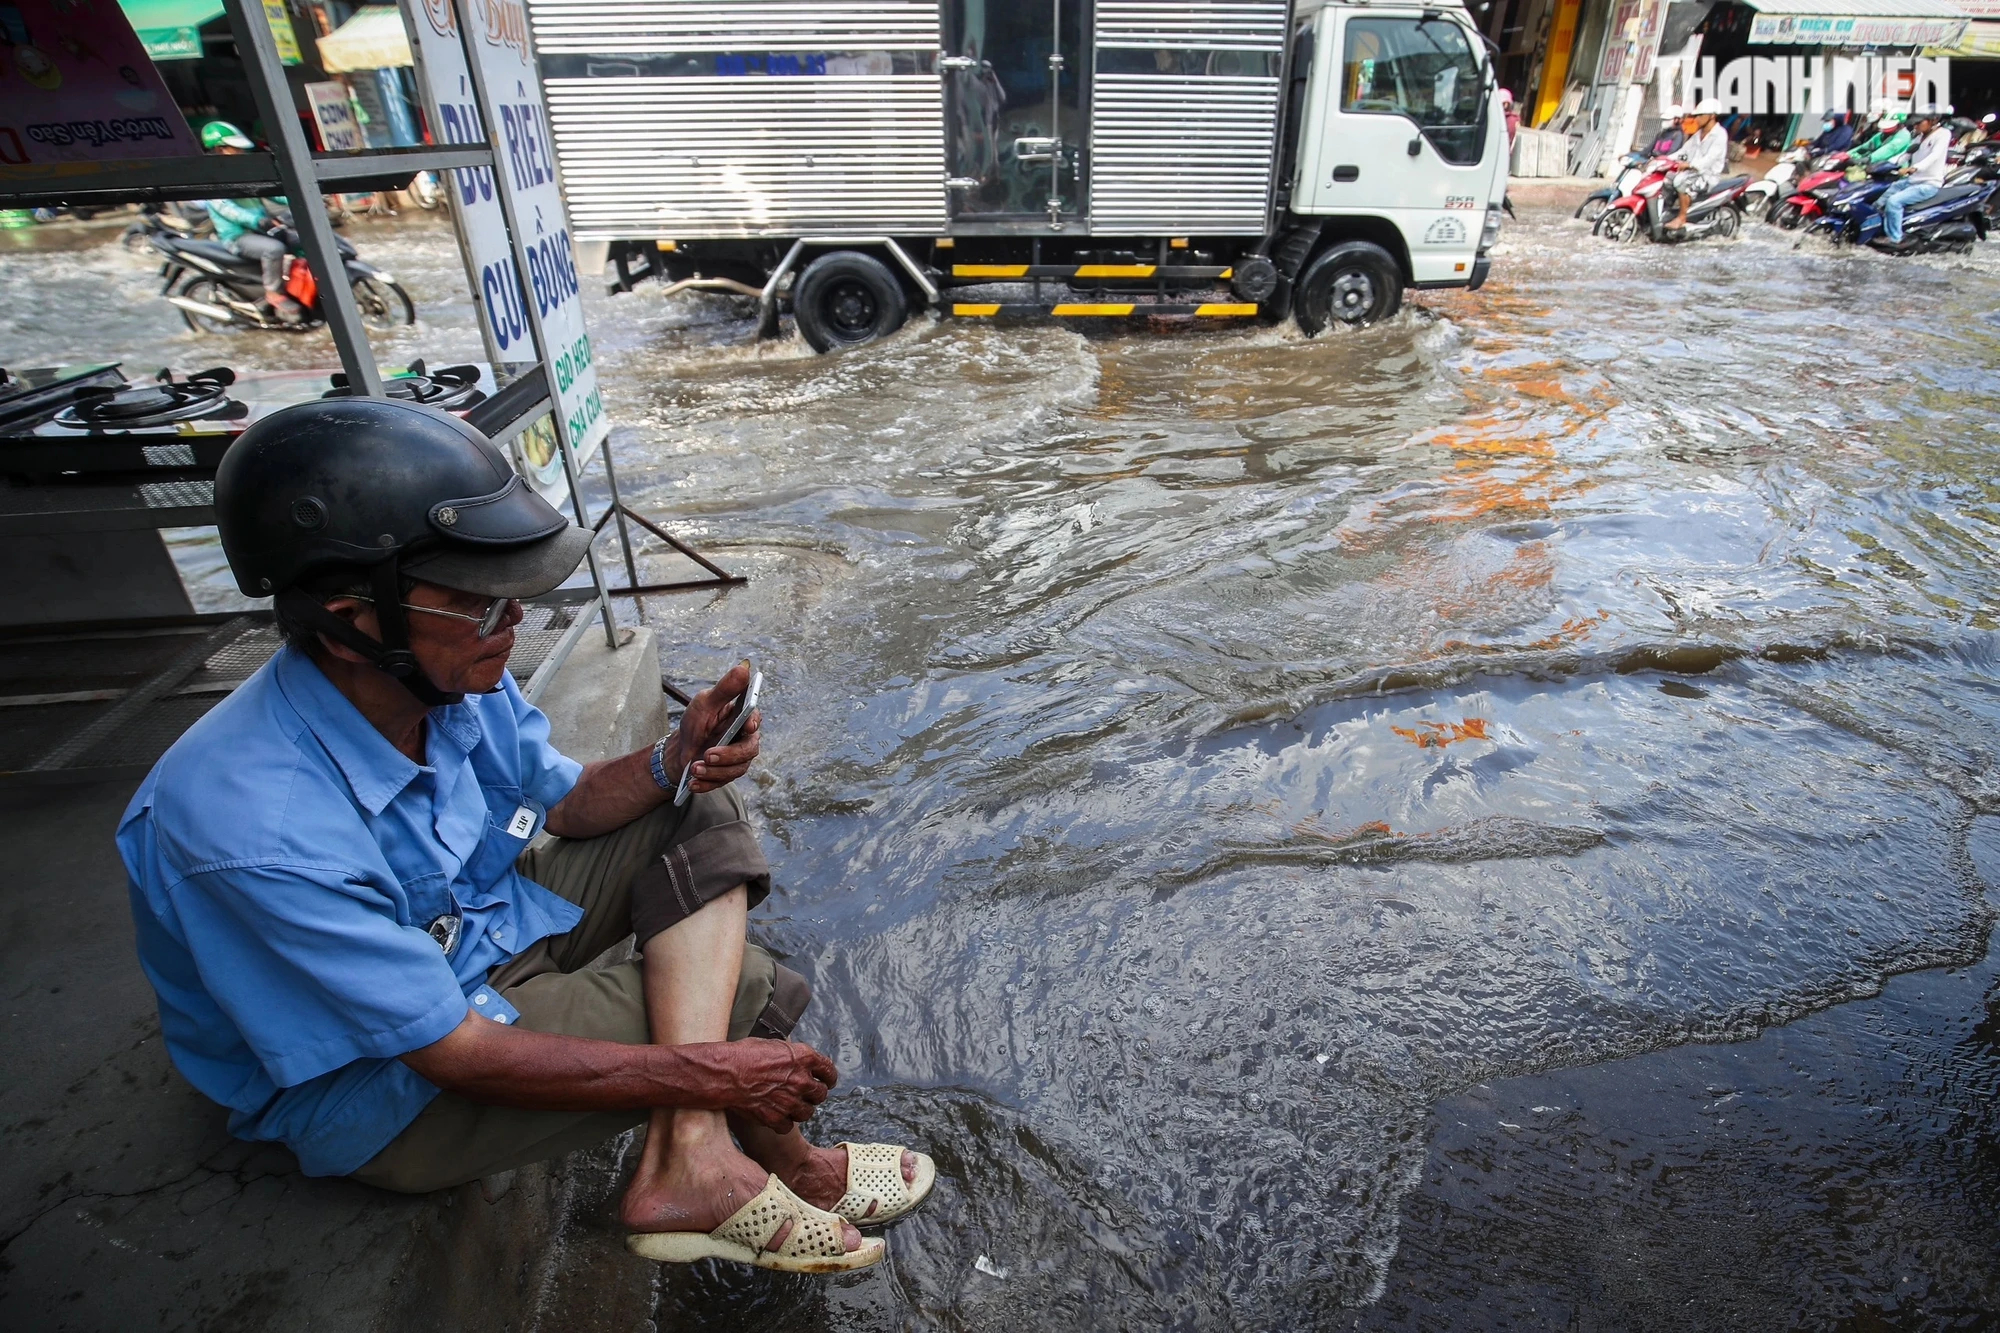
1426	827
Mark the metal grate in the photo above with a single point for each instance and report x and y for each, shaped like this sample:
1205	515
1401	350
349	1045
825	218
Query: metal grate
1205	25
651	27
750	156
1181	153
176	494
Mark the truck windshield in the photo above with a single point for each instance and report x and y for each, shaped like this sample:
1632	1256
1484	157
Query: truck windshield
1423	69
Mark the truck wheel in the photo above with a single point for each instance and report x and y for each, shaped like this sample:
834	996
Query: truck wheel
1356	282
845	299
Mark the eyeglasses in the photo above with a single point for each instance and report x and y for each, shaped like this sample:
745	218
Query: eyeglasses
487	622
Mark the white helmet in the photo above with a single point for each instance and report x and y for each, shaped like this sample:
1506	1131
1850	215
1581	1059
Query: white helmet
1674	111
1708	106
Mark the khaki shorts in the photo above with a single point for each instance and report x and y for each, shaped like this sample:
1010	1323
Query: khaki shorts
656	870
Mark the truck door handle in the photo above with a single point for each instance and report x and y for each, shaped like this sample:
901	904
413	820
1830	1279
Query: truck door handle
946	62
1342	175
1036	150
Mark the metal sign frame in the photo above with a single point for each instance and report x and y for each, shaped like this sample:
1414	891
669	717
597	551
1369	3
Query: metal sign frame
293	170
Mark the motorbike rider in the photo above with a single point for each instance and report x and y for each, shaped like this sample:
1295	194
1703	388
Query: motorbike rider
1703	159
1889	142
241	224
1671	136
1924	177
1835	135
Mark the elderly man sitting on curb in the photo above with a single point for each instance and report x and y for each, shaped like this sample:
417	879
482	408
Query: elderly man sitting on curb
360	943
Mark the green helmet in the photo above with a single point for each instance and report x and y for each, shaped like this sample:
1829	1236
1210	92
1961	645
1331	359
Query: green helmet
221	134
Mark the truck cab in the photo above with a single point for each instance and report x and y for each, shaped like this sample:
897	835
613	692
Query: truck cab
1399	122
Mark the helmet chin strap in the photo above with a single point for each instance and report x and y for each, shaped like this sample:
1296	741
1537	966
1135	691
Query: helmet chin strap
391	653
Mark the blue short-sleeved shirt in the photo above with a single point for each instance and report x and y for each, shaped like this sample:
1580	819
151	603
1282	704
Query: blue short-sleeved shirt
286	862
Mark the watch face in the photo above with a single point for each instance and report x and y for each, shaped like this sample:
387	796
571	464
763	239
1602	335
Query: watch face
445	930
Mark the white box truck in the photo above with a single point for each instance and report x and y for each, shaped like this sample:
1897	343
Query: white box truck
1246	159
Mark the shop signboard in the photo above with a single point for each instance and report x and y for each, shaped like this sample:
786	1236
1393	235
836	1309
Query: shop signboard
333	112
282	32
522	148
1853	30
501	297
81	89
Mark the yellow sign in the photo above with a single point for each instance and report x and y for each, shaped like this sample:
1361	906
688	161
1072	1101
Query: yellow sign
280	19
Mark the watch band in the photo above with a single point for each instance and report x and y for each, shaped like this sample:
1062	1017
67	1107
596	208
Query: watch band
658	764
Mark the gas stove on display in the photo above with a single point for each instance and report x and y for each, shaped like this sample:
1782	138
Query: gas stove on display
87	421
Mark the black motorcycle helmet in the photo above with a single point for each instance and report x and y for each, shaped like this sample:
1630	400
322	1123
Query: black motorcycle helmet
382	489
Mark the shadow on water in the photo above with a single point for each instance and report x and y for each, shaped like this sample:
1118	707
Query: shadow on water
1213	779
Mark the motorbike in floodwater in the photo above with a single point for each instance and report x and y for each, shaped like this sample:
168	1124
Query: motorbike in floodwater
1770	193
1631	170
1848	204
1620	219
1717	212
186	220
1951	221
1815	188
219	291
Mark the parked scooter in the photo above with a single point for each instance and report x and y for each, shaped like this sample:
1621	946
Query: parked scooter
218	290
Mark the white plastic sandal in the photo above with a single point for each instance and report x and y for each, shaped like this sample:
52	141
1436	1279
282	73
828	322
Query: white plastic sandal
814	1245
876	1190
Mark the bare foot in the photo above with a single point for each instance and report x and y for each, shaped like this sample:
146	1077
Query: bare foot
702	1195
821	1178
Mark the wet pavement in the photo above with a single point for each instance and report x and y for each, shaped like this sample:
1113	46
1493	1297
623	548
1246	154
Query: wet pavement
1413	828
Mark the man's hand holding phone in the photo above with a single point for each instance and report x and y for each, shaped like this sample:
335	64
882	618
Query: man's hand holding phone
711	750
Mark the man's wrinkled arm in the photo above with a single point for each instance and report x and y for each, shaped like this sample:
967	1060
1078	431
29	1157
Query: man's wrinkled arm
774	1082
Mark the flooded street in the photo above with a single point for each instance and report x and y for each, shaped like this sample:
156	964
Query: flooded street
1288	824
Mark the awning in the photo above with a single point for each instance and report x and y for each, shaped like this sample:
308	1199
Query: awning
171	29
1857	22
1981	42
373	39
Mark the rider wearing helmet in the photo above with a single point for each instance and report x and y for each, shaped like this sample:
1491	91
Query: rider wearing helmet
1835	135
1890	141
1671	135
1703	158
242	224
360	944
1924	177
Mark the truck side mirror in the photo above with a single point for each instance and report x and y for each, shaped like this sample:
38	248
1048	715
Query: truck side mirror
1416	145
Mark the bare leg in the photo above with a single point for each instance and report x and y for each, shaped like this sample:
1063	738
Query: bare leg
817	1175
691	1177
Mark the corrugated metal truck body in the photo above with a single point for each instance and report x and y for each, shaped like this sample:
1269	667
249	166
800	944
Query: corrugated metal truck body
1143	153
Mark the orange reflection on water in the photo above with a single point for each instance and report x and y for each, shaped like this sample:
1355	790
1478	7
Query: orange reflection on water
1437	735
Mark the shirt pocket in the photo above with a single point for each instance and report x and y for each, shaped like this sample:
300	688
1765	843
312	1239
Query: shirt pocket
429	897
510	826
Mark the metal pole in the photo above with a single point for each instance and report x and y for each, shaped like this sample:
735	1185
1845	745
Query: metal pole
503	181
449	180
618	508
295	169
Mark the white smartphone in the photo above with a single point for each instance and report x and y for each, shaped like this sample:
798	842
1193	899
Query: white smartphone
744	709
